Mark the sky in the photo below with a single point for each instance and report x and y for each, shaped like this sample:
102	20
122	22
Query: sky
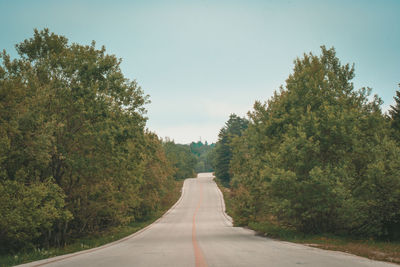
201	60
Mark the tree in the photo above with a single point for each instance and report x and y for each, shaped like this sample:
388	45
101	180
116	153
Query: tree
181	158
29	213
394	113
233	128
158	175
75	157
202	153
315	155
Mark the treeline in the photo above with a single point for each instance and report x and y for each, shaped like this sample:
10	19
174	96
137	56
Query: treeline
182	159
75	157
318	156
188	160
204	154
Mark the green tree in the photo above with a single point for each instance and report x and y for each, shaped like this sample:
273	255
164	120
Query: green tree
202	153
75	157
158	176
32	205
29	213
394	113
314	156
181	159
233	128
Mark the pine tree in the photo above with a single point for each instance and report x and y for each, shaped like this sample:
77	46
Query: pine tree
395	114
233	128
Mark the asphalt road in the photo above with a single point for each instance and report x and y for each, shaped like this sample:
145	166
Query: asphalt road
197	232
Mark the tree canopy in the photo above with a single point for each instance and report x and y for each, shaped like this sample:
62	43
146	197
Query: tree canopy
204	154
181	159
75	156
318	156
223	152
394	113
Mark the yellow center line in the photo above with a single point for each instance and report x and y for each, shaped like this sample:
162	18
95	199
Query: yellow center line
198	253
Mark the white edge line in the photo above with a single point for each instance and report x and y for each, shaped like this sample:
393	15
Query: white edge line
228	218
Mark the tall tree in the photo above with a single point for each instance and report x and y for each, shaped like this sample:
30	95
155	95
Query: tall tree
75	157
318	155
233	128
395	115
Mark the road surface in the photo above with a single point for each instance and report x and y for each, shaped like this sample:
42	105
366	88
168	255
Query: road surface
197	232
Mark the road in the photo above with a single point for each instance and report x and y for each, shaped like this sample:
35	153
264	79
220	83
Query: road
197	232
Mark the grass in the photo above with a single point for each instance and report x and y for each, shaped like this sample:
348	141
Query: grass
372	249
92	241
226	193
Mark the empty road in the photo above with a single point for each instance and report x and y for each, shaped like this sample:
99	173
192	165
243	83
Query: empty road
197	232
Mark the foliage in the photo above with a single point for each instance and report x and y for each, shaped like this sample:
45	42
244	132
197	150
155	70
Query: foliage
28	212
181	159
75	157
394	113
158	171
93	240
223	153
362	246
318	156
204	154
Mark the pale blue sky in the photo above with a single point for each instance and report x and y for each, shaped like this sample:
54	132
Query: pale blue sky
201	60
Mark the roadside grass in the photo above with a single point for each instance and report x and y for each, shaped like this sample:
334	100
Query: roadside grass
372	249
92	241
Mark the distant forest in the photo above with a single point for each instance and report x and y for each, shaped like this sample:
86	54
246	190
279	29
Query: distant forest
205	155
189	159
